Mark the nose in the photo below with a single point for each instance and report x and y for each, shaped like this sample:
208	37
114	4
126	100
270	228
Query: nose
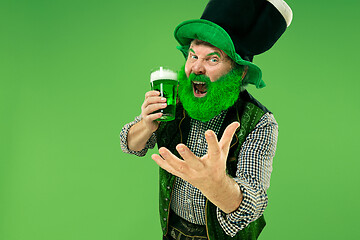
198	68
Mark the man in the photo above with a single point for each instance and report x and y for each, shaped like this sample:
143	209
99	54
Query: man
215	158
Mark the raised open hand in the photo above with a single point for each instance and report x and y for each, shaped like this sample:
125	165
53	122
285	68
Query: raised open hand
203	172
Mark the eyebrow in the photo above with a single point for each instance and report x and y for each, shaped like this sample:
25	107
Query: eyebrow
210	54
214	53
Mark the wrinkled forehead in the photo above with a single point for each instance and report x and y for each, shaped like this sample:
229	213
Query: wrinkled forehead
197	42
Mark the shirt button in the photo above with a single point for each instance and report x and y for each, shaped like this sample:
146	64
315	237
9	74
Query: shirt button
190	216
189	201
199	141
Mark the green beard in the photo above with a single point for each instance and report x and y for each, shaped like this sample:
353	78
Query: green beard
220	95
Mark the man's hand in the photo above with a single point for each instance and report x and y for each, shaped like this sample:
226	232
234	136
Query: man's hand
140	133
207	173
152	103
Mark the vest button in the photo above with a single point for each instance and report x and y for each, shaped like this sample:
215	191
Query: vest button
166	199
164	219
165	209
168	187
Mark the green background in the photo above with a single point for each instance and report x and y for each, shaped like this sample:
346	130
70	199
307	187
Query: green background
73	72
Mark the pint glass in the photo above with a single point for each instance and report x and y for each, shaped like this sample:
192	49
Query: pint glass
165	81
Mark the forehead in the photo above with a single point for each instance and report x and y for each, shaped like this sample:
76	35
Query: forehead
206	49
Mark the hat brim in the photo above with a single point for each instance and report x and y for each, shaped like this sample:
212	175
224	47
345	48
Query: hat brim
212	33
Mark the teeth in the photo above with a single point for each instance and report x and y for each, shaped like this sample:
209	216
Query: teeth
202	83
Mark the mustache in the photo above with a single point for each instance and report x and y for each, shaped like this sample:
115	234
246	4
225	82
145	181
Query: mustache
199	78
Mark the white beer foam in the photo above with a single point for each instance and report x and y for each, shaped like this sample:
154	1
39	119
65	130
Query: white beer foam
163	74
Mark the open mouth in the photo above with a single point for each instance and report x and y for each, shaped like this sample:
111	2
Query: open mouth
200	89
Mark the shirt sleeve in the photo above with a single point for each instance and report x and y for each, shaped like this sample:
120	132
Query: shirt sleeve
253	175
150	144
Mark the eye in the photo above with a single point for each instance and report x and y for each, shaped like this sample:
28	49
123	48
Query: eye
193	57
214	60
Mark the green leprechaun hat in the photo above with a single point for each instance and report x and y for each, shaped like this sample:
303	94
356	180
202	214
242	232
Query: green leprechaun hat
241	28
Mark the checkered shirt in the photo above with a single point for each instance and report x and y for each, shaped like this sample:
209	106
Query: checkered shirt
253	172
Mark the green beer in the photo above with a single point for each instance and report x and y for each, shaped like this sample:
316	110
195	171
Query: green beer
165	81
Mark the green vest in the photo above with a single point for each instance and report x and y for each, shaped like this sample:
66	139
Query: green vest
248	112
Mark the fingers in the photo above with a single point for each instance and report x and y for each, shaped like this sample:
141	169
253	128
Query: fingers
189	157
153	117
169	162
228	135
152	93
162	163
152	108
152	103
213	145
